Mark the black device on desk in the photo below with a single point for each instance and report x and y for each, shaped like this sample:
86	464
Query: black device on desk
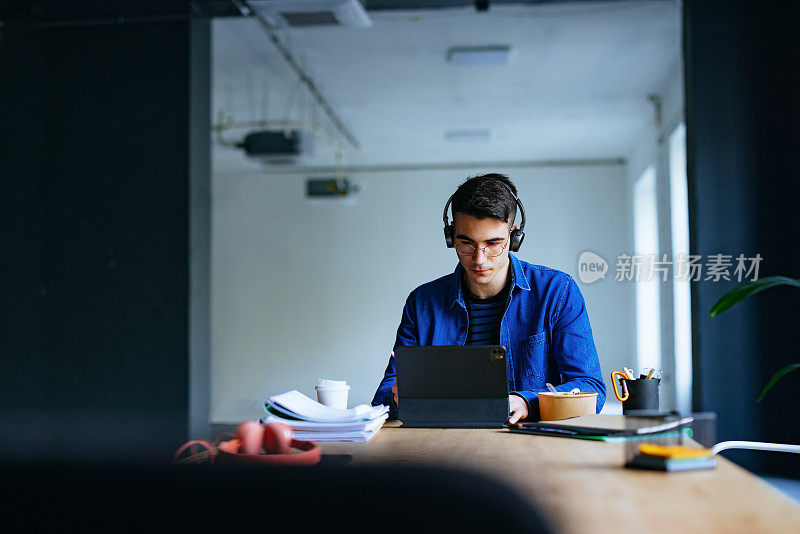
464	386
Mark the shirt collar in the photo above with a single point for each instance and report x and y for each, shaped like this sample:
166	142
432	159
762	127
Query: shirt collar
456	296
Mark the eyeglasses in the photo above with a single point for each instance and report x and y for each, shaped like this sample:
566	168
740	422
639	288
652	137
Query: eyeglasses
490	251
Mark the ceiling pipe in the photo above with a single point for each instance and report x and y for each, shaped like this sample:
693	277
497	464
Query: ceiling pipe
246	11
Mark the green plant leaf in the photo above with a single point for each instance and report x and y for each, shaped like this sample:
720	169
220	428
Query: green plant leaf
744	290
777	376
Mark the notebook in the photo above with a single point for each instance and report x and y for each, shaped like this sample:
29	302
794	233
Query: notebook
605	427
313	421
463	386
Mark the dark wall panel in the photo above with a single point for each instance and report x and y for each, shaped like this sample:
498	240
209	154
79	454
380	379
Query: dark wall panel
777	45
721	165
117	214
22	141
742	127
96	174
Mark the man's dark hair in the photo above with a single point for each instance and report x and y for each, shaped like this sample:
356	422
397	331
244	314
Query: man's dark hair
484	196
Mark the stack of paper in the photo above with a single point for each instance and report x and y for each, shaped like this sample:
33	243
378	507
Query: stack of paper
312	421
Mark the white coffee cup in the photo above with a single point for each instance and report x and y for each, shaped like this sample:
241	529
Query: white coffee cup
332	393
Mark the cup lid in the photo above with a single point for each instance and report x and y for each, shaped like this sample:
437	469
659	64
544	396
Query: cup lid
325	383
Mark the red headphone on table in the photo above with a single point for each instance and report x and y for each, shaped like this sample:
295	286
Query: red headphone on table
253	443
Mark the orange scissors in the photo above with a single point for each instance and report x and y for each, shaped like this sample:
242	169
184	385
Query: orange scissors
624	385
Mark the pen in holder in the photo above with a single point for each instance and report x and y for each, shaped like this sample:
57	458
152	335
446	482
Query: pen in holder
639	394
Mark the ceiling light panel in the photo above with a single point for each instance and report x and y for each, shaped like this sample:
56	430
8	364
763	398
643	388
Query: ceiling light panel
479	55
307	13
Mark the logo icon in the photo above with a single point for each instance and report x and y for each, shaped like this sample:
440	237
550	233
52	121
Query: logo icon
591	267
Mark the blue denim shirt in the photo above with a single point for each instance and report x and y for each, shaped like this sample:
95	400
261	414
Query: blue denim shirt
545	330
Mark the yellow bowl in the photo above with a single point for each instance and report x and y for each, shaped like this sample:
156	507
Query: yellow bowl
555	406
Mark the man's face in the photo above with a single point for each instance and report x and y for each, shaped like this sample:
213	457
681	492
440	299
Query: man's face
486	275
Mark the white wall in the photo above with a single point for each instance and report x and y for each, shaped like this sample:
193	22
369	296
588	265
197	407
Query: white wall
652	149
302	290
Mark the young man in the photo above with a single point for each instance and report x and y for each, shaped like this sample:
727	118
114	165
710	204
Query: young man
493	298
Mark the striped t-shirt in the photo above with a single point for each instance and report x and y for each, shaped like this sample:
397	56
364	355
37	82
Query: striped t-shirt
484	317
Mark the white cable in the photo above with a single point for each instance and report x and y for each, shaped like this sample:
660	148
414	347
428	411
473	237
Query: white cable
755	445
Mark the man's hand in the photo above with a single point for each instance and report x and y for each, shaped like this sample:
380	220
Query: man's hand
517	408
394	391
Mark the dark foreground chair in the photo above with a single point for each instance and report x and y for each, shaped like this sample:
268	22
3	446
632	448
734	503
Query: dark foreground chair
319	499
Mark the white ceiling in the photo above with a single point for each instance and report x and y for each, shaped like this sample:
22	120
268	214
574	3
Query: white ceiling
575	86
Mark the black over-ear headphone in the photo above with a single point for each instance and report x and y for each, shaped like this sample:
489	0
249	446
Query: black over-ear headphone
516	235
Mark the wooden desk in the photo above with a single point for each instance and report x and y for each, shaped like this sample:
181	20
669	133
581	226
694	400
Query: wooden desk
582	486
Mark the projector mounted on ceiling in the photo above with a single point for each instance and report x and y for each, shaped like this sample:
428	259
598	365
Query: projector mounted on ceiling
305	13
275	147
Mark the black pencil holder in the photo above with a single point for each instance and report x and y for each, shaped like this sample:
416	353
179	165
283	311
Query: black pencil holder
642	394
